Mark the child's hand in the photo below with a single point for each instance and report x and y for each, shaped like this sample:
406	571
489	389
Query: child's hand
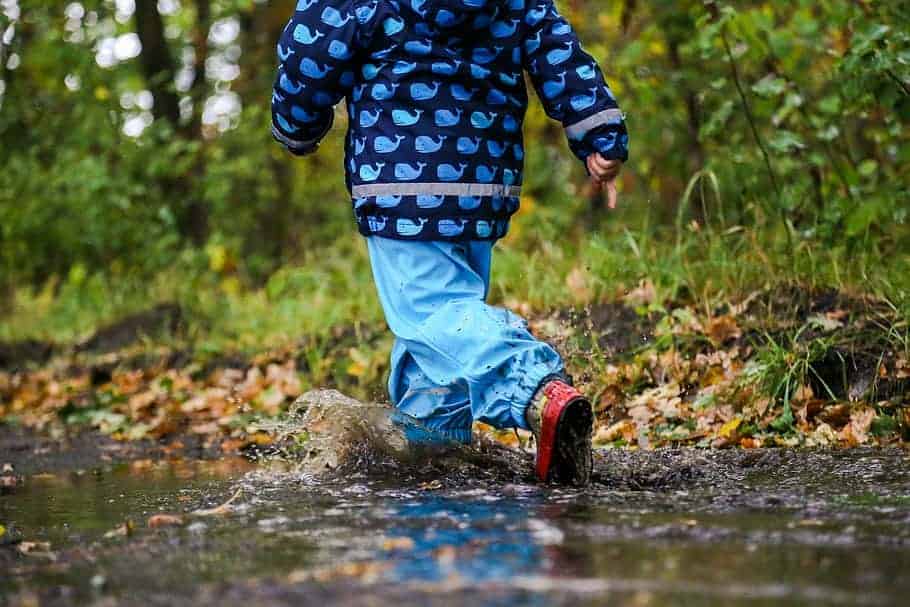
604	173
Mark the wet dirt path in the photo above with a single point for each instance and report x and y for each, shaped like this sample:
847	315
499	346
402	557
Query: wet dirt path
688	527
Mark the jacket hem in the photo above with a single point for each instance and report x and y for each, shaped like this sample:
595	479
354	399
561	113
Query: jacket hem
432	228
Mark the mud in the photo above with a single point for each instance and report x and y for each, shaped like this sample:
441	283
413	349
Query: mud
17	355
364	520
160	319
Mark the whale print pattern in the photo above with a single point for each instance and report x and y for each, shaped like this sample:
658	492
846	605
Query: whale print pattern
436	94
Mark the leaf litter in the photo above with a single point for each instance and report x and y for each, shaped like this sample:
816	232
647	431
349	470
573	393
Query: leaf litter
784	367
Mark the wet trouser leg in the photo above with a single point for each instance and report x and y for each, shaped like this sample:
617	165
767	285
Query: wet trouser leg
456	359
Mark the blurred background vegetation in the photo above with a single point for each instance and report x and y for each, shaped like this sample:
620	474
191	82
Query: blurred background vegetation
769	145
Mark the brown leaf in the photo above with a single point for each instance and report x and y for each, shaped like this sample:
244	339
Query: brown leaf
608	434
723	329
901	369
224	509
835	416
397	543
164	520
610	397
857	431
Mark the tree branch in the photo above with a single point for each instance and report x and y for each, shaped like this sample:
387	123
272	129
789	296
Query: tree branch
747	108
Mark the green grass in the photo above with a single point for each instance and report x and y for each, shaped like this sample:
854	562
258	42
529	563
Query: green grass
332	286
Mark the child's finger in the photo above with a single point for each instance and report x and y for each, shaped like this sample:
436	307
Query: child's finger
593	168
605	165
595	164
612	194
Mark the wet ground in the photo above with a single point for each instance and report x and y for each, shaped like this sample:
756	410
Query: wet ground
686	527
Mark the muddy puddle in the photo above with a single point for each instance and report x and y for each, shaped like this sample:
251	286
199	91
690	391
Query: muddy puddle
665	527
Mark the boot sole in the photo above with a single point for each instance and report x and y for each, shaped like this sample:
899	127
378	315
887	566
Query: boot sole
573	458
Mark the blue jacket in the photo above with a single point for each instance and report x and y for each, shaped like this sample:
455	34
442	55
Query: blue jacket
436	99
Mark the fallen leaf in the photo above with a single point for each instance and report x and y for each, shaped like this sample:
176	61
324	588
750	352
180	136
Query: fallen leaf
901	369
825	322
225	508
37	549
611	397
811	522
398	543
669	408
124	530
723	329
728	429
164	520
367	572
614	432
835	416
641	414
822	436
857	431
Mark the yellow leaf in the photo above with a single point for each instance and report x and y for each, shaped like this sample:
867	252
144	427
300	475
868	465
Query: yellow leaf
231	285
218	257
2	530
730	427
360	364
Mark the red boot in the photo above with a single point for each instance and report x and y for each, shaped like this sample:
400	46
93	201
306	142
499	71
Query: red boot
563	421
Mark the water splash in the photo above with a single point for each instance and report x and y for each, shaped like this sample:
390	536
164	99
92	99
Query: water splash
329	434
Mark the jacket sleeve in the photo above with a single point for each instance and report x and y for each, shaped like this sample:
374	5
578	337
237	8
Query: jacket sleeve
571	86
315	71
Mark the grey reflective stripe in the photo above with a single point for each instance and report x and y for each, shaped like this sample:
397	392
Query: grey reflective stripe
580	129
297	146
436	189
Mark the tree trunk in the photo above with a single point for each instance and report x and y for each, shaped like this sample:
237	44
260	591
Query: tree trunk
196	220
157	63
159	70
198	88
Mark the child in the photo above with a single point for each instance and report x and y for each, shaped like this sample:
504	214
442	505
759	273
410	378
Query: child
436	98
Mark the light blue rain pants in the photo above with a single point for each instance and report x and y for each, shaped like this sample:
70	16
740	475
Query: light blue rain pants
456	359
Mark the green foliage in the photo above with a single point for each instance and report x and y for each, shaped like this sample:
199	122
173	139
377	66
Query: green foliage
87	210
782	367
